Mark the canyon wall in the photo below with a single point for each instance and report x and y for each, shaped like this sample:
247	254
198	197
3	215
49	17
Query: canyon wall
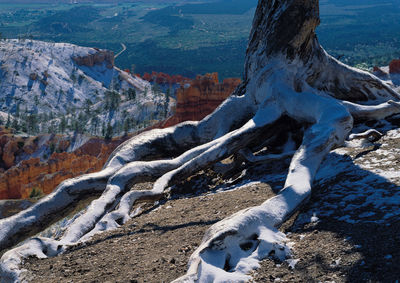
199	97
394	66
19	178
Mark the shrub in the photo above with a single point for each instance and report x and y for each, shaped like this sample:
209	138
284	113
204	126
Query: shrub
36	192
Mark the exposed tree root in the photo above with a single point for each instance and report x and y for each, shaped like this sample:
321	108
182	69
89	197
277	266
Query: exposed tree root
371	135
287	74
248	155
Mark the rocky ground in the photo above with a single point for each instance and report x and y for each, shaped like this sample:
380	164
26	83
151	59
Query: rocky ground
349	231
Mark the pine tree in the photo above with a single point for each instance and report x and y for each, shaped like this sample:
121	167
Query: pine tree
126	127
103	129
94	124
8	123
15	124
109	132
32	122
156	88
17	111
131	94
63	124
166	104
88	103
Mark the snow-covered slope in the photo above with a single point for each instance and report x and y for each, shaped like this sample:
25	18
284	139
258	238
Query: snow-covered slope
64	79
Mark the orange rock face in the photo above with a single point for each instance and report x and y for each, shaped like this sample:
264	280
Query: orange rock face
18	181
200	97
12	146
98	57
394	66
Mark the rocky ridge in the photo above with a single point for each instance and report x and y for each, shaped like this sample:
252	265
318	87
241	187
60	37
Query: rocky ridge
74	85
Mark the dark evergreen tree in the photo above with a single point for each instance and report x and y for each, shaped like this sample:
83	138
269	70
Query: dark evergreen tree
103	129
63	125
8	123
109	132
131	94
15	124
167	99
126	126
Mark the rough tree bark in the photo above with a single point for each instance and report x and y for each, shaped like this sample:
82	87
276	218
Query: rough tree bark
287	73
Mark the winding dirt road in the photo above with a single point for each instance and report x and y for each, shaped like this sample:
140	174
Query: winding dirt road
119	53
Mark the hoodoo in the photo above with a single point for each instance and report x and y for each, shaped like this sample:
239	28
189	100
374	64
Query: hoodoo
287	75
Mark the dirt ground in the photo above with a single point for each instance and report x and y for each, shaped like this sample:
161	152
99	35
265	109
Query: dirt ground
333	251
155	246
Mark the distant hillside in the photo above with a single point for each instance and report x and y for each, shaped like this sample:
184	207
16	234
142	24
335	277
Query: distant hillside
59	87
189	37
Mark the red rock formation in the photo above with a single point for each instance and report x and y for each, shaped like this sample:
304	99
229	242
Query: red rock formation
162	78
394	66
200	97
98	57
12	146
19	180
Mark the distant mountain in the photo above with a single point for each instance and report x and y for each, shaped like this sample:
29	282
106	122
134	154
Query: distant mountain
60	87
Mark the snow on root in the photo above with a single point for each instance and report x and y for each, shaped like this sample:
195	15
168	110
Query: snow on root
234	246
11	260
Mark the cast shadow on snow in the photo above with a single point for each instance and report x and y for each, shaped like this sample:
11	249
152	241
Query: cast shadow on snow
359	207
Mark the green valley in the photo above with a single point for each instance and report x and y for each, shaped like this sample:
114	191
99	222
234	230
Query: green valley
191	38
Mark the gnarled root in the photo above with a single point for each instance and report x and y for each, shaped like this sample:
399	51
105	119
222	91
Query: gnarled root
250	157
372	112
149	145
174	169
371	135
232	247
50	208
